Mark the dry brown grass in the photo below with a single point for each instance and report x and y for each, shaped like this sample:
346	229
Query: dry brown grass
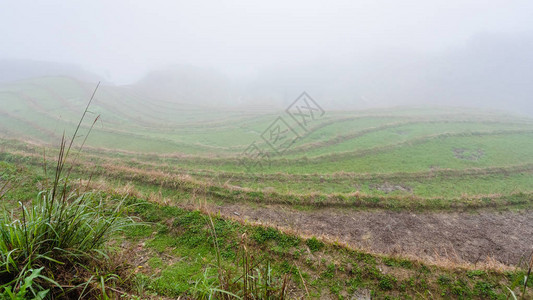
448	260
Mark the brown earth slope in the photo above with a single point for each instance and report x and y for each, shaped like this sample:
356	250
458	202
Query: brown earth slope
457	236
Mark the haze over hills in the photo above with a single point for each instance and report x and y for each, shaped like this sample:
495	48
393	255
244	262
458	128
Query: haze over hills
266	149
17	69
187	84
490	71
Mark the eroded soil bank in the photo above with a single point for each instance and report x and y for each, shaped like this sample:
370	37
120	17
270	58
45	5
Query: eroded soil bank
468	236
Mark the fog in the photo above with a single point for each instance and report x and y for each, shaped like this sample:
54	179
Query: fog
350	54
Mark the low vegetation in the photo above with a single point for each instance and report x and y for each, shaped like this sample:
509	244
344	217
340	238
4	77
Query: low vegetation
55	245
140	213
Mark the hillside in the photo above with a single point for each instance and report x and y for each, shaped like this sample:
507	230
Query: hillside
396	202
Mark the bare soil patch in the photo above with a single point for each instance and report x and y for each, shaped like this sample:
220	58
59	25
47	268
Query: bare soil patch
389	187
457	236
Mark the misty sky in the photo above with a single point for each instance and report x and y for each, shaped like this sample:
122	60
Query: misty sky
121	40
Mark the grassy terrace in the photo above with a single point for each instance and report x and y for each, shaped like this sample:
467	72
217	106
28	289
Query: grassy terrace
171	253
173	165
499	187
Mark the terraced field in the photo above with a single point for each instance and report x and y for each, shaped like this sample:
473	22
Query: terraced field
448	187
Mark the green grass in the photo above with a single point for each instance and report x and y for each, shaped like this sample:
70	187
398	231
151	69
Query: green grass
403	133
501	187
399	158
183	249
142	124
56	245
182	256
499	150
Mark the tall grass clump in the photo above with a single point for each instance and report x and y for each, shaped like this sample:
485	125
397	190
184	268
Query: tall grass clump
523	283
53	246
253	279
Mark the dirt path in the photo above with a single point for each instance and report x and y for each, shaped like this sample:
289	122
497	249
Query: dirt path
469	236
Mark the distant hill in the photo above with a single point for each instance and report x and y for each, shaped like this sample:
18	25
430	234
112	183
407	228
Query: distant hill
14	69
187	84
489	71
